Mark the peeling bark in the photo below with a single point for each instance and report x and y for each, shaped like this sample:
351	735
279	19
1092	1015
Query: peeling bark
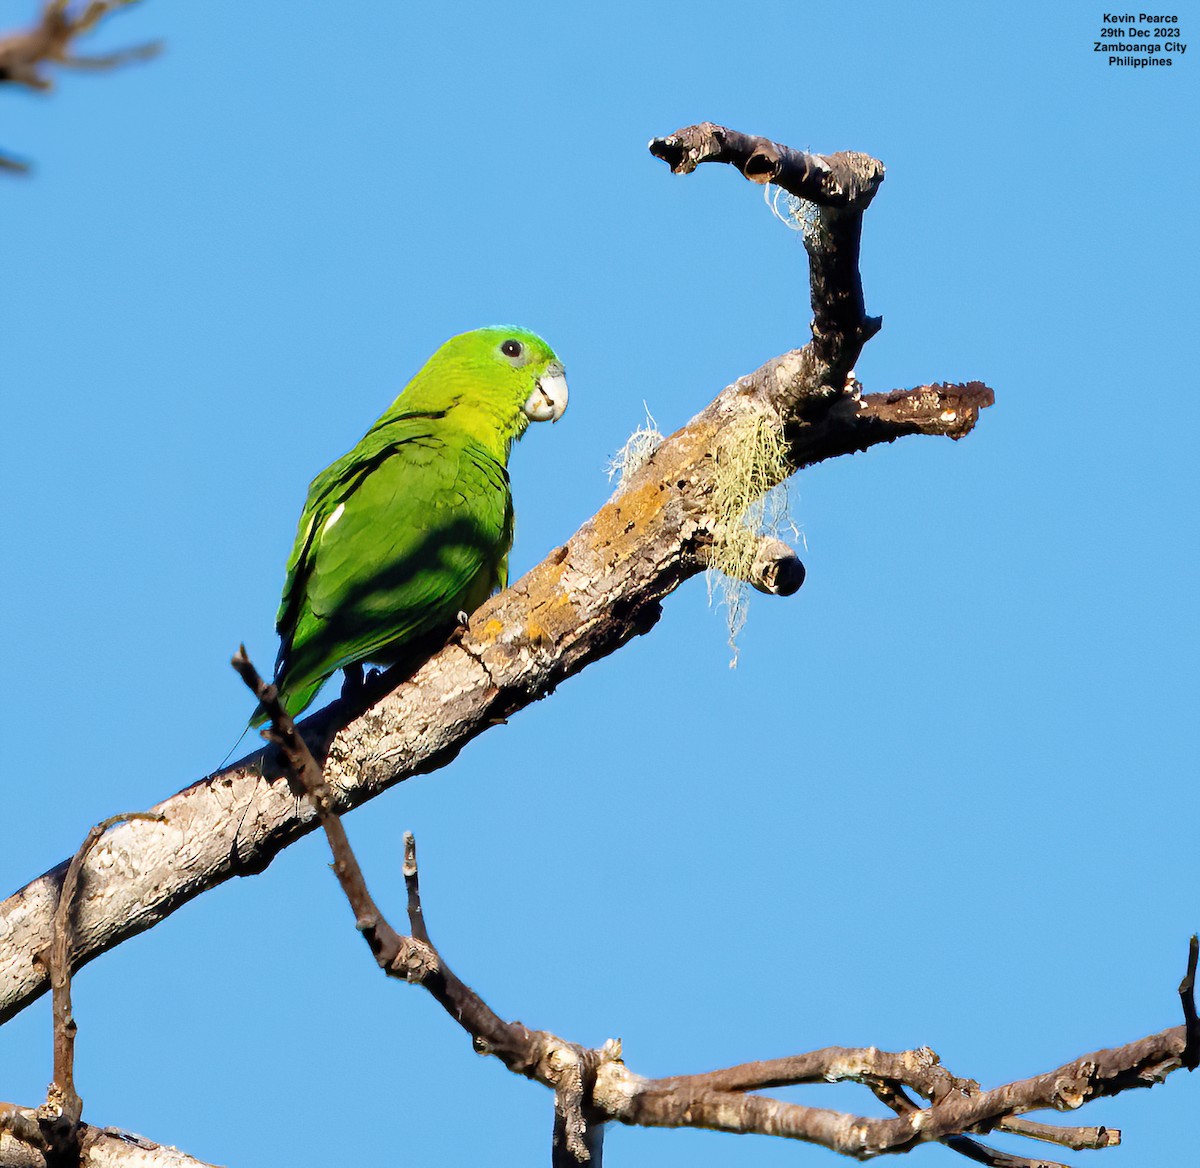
101	1147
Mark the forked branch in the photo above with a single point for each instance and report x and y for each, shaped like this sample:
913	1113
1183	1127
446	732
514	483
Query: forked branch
594	1087
26	57
53	1135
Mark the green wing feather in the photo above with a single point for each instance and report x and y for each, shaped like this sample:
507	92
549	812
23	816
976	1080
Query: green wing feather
397	537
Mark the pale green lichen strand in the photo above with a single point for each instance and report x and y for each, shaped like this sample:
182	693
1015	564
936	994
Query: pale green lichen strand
749	500
642	443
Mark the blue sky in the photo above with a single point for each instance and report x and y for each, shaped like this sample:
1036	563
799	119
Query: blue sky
946	798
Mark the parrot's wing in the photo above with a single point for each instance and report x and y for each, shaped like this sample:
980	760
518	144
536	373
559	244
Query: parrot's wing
325	492
397	537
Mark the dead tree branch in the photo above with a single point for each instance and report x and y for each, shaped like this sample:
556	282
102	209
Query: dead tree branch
27	56
99	1147
61	1115
54	1133
589	597
593	1087
839	188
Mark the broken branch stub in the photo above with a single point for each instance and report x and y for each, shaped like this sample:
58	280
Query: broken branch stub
840	187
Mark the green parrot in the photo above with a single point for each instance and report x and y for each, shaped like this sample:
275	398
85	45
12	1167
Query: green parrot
413	526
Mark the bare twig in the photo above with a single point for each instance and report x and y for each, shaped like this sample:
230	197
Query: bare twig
64	1108
26	56
393	952
412	883
895	1097
561	1065
1077	1138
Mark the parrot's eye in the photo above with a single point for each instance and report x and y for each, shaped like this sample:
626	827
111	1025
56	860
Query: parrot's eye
511	348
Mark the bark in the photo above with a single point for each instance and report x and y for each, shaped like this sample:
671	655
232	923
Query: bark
100	1147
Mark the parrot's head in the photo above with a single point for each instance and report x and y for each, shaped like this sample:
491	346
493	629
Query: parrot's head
491	383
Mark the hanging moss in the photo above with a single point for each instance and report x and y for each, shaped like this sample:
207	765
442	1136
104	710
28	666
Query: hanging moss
749	500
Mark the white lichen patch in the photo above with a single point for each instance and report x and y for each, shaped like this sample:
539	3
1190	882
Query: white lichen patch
634	455
798	214
749	500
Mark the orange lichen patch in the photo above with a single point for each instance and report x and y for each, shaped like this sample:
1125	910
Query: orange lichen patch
560	610
636	508
555	616
536	634
491	630
546	576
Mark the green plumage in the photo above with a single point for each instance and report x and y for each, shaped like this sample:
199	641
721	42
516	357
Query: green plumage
414	525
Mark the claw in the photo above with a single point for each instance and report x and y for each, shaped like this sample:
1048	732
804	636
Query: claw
352	680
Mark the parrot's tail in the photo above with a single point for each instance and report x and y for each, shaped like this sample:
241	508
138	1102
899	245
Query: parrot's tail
295	701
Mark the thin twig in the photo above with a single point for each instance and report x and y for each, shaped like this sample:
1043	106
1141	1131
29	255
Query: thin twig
412	883
390	949
1076	1138
64	1107
26	56
568	1068
895	1097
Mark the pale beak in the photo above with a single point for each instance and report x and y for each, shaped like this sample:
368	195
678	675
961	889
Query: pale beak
549	397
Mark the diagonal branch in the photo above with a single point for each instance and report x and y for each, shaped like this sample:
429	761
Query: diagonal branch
587	599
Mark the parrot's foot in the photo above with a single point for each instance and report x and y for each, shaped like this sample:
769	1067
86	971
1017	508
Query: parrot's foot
352	681
463	618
